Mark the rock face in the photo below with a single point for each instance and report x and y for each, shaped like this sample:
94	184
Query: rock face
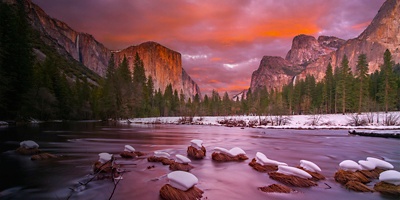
273	73
163	64
309	56
383	33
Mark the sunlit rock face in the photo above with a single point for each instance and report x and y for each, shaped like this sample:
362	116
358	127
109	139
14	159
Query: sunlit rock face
163	64
309	56
383	33
273	73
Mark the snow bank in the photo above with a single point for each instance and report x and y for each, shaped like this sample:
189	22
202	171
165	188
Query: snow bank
328	121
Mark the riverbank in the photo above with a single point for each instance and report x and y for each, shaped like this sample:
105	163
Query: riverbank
372	121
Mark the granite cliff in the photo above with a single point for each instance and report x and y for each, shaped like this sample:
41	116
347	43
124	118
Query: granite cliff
310	56
163	64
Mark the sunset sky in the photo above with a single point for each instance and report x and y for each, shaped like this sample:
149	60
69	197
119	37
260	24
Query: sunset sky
221	42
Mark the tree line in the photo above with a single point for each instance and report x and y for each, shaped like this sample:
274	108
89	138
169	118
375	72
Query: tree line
58	87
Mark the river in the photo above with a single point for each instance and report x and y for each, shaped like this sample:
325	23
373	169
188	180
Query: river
78	144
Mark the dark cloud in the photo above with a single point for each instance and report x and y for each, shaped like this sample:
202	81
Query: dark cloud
221	42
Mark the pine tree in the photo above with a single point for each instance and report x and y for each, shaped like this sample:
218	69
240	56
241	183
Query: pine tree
329	89
344	83
361	73
16	61
388	85
139	84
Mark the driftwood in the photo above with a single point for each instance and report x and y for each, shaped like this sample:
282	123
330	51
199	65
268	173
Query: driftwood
43	156
372	174
357	186
168	192
25	151
196	153
164	161
291	180
342	176
387	188
262	168
223	157
276	188
175	166
315	175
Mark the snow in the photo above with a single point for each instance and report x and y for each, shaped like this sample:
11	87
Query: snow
293	171
3	123
104	157
182	159
29	144
161	154
390	176
196	143
380	163
327	121
263	160
310	166
232	152
182	180
349	165
129	148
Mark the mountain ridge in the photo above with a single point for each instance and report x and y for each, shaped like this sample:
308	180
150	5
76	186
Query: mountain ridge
85	49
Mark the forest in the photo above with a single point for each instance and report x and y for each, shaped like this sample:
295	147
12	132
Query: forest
55	87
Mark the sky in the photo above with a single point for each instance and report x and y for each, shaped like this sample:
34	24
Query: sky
221	42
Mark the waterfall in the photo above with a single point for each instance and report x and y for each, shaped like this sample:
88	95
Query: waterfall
77	48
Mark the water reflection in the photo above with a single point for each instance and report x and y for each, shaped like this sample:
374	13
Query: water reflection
79	144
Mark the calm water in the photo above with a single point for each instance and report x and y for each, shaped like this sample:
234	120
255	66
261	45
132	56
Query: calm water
79	144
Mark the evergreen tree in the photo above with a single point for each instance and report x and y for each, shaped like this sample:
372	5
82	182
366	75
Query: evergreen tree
361	73
388	87
109	99
329	89
344	84
139	84
16	61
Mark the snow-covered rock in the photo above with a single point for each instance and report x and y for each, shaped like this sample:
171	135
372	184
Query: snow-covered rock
105	157
161	154
196	143
263	160
367	165
310	166
380	163
390	176
232	152
28	144
182	180
349	165
182	159
3	123
129	148
287	170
